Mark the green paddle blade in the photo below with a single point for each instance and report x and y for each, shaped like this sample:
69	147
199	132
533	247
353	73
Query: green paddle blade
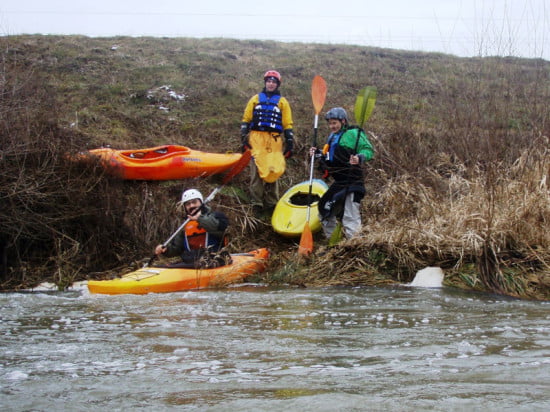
336	235
364	104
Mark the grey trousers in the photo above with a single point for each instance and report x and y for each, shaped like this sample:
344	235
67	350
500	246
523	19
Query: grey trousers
351	220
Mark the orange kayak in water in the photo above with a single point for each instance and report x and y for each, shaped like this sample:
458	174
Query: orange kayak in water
169	162
174	279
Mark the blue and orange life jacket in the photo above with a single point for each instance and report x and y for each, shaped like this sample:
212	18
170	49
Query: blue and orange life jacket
267	115
198	238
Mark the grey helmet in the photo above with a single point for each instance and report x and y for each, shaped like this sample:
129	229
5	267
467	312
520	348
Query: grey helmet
337	113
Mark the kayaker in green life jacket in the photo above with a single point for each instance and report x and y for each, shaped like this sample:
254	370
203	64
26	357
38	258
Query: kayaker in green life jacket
204	234
342	157
266	129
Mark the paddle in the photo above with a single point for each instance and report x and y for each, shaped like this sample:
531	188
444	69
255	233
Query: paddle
232	172
318	96
364	105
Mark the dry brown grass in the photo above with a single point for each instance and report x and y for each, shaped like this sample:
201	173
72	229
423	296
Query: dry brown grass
494	224
460	176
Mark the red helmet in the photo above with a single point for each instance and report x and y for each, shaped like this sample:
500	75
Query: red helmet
272	73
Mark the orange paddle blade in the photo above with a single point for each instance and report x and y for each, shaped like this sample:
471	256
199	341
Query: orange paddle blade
237	167
318	93
306	241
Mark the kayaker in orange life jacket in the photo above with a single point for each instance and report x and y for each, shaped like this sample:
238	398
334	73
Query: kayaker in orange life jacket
266	128
202	236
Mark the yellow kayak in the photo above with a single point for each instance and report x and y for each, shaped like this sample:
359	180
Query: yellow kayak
290	214
174	279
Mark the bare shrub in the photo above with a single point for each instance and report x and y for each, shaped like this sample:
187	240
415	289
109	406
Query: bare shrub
57	216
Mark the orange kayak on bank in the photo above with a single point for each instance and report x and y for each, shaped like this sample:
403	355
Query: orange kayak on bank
174	279
169	162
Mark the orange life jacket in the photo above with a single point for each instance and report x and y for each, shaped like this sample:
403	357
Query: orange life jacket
196	238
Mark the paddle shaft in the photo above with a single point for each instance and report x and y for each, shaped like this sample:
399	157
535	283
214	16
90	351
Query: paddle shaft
315	127
318	96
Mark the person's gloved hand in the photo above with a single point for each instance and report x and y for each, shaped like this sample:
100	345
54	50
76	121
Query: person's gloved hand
289	143
245	145
322	167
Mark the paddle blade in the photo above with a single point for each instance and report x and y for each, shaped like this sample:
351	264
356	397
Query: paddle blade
237	167
306	241
318	93
364	104
336	235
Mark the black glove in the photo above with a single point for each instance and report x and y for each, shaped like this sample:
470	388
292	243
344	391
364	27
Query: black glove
322	166
289	143
244	136
245	146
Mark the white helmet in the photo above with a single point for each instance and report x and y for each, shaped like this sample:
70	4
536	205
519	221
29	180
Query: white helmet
190	195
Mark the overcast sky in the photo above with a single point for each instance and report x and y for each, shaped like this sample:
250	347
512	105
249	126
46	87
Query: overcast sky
460	27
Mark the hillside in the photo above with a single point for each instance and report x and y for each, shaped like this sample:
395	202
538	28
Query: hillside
459	178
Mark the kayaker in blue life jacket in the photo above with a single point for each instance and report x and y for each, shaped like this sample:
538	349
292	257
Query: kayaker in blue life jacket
202	237
342	157
266	129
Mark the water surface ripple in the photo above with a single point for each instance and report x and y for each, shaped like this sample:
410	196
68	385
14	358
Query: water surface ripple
259	349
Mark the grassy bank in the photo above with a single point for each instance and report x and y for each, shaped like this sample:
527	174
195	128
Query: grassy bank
459	180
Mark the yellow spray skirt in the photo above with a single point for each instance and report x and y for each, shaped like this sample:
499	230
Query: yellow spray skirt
267	150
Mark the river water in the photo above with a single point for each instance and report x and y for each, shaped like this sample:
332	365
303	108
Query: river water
252	348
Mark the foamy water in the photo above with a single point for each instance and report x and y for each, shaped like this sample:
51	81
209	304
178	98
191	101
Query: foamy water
253	348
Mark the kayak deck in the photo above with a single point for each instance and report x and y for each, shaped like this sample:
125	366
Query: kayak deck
174	279
290	214
164	162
